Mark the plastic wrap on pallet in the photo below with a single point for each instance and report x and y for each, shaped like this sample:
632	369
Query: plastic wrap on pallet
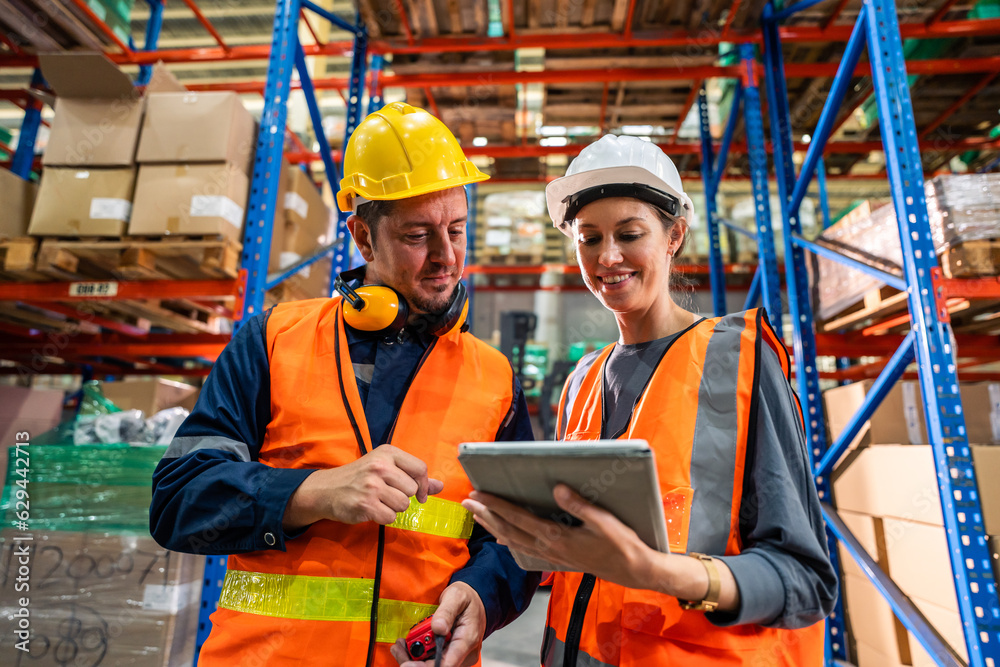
96	599
963	207
873	239
960	207
84	487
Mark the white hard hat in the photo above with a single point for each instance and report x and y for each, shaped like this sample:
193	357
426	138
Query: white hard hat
640	168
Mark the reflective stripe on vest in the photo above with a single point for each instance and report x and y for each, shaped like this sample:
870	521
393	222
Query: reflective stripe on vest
436	517
319	599
555	652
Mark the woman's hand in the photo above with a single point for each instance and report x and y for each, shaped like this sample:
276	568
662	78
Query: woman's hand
602	546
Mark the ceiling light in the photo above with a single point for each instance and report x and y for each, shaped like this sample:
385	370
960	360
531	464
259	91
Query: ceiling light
479	141
554	141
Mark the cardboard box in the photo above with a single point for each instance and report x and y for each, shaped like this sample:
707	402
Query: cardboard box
150	396
872	622
919	563
34	411
103	599
18	197
891	481
98	112
899	420
197	127
862	527
190	199
949	626
866	656
981	407
900	482
83	202
987	462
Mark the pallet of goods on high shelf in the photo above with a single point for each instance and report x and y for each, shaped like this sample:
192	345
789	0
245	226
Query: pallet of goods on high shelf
515	230
56	25
964	212
17	249
898	518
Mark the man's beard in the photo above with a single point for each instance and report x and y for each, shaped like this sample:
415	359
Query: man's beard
436	305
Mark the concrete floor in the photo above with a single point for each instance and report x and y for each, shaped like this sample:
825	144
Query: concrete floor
519	643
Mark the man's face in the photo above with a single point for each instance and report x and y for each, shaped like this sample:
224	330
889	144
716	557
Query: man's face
420	248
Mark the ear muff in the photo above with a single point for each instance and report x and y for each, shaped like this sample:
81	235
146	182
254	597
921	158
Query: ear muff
375	309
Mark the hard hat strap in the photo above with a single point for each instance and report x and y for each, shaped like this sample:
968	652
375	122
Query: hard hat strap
662	200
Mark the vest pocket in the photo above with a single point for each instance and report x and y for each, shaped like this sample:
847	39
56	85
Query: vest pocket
677	512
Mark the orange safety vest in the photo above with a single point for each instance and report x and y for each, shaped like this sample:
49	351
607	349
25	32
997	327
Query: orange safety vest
697	413
342	594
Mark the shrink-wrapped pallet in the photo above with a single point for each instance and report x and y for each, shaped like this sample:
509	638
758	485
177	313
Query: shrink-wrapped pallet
964	215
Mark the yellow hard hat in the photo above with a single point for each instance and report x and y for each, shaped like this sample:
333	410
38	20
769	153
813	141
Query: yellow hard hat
402	151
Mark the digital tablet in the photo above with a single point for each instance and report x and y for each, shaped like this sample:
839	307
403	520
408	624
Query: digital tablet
616	475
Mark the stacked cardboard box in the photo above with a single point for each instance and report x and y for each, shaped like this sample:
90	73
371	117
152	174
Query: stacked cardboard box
100	598
886	491
302	226
101	590
195	158
150	394
18	197
89	175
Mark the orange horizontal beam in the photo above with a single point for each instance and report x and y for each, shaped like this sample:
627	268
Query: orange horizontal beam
146	289
549	41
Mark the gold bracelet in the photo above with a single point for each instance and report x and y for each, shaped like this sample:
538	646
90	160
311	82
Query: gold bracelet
711	600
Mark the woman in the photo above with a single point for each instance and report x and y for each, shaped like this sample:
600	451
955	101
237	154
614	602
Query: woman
748	579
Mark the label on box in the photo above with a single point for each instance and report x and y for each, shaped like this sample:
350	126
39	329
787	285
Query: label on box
106	288
497	237
286	259
168	598
911	414
106	208
994	389
295	202
217	206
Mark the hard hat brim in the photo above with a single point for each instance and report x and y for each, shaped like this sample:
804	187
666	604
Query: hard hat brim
347	191
558	190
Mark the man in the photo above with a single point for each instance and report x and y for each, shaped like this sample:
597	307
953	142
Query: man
322	452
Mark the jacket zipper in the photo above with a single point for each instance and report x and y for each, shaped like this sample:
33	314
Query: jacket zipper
373	622
576	618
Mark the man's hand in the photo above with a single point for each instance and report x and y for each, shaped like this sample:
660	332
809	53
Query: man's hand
462	613
374	488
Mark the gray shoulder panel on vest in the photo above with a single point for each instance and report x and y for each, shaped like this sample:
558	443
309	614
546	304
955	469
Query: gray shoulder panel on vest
713	456
575	380
187	444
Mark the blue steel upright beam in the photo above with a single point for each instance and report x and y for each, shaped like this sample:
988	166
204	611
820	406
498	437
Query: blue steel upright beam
267	161
375	99
770	287
359	59
799	307
936	365
24	154
824	200
715	267
153	27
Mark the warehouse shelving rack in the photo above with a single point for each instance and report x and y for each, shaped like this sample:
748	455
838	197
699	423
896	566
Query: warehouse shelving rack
929	343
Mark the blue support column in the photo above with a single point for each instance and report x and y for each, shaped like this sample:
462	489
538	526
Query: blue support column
359	58
267	161
770	287
962	511
24	154
153	27
800	309
715	266
824	200
375	100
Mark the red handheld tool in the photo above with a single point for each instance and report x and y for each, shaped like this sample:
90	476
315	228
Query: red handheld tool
423	644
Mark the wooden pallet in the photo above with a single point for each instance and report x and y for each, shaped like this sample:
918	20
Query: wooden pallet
878	304
17	260
971	259
512	259
163	258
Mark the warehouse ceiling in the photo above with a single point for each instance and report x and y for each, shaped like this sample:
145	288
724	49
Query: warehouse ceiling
579	68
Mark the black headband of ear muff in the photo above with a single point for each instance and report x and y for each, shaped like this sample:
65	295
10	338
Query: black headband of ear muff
662	200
